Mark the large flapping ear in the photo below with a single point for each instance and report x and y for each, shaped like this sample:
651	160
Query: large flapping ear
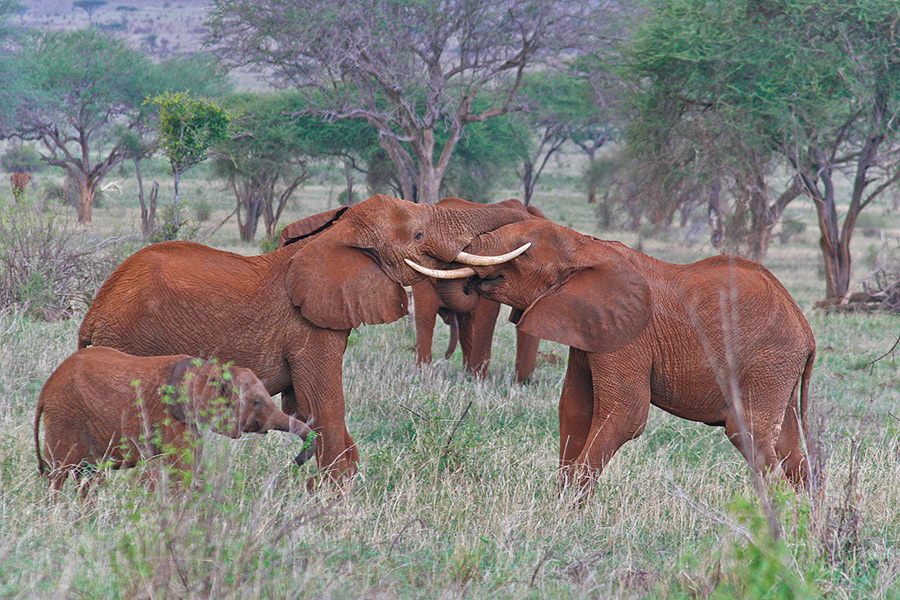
336	286
597	309
176	403
309	226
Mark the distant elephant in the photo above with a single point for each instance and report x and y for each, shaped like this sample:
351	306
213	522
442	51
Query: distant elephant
95	413
685	338
473	329
285	315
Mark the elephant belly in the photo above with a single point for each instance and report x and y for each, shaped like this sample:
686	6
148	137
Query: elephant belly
692	398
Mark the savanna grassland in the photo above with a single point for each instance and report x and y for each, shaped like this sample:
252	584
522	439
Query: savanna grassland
456	495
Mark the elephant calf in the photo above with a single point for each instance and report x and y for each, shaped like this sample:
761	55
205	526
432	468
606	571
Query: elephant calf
95	412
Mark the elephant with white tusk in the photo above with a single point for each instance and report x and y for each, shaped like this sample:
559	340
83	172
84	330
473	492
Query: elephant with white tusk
286	315
718	341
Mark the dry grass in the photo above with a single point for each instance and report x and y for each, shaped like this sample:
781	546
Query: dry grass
475	514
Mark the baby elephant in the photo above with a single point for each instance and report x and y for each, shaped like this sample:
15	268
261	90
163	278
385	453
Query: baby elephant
102	406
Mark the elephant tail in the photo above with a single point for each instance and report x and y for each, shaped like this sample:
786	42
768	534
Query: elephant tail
37	442
86	331
804	389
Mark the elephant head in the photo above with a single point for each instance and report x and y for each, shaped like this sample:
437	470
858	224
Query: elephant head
353	268
231	400
564	287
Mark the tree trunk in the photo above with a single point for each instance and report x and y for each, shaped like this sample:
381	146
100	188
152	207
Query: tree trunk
146	227
85	198
528	182
151	217
176	212
348	177
247	227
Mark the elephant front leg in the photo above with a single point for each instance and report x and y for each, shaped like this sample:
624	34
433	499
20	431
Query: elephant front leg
476	332
317	382
621	402
576	410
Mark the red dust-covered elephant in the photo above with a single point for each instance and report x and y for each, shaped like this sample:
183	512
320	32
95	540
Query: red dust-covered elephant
475	328
285	315
719	341
94	413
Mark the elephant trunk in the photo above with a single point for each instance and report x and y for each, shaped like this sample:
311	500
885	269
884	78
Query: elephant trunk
458	227
457	295
460	295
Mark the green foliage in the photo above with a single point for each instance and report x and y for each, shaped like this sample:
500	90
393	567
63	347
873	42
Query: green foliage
21	159
202	210
188	128
485	157
172	224
200	73
763	567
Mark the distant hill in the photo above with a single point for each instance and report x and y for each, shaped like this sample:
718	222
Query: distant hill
158	27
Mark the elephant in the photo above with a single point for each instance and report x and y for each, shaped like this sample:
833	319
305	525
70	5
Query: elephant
719	341
286	315
104	406
474	329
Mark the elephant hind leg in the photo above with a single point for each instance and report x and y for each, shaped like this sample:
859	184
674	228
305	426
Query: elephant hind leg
789	449
756	442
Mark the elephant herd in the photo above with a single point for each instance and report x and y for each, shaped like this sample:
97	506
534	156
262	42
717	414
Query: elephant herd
719	341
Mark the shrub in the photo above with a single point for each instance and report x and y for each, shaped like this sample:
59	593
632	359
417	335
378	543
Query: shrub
203	210
173	226
21	159
46	267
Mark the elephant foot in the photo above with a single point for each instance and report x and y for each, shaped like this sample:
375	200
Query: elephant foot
577	483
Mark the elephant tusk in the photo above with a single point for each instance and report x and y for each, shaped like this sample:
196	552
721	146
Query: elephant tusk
485	261
439	274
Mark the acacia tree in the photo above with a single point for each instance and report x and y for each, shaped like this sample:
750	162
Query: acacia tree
265	160
735	90
558	107
82	89
188	128
404	67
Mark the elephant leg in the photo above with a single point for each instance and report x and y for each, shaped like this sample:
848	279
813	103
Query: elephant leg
425	304
290	406
621	402
576	410
317	382
757	441
526	355
788	447
476	332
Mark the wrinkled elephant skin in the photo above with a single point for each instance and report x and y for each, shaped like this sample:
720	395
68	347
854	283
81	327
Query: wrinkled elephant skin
285	315
690	339
472	325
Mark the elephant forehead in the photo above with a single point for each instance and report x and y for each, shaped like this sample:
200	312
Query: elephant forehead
389	218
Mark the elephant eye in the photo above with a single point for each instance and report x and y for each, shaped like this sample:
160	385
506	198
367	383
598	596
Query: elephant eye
419	236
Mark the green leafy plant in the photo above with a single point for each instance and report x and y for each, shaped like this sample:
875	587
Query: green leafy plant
188	128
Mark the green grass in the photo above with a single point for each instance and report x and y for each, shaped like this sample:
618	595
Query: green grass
475	515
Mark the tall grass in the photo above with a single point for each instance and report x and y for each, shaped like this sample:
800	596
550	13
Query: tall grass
456	495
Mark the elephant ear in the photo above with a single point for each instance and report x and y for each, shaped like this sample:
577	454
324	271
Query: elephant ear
176	404
309	226
336	286
597	309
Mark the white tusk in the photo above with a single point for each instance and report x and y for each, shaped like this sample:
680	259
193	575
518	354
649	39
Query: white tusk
485	261
439	274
